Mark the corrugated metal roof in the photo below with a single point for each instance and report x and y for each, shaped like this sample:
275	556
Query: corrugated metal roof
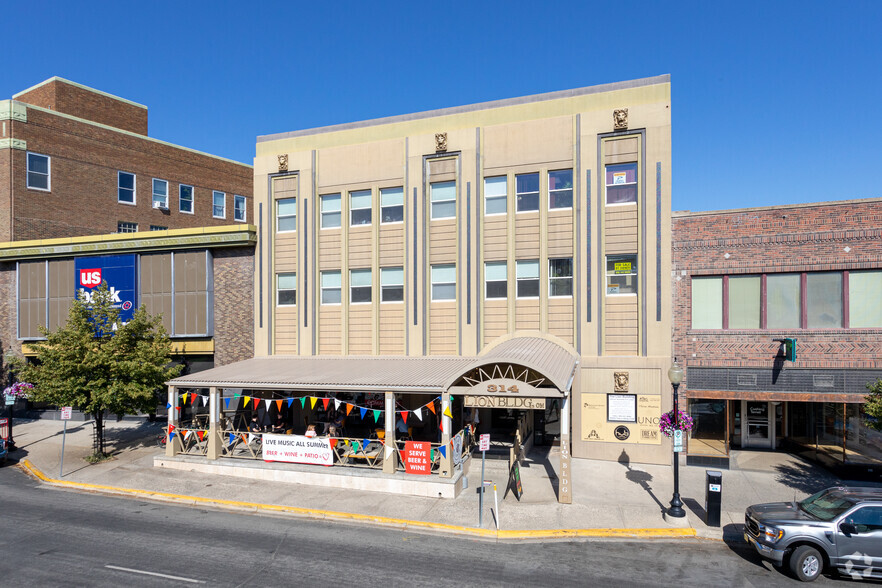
428	374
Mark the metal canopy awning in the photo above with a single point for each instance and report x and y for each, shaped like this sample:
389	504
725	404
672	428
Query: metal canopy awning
423	374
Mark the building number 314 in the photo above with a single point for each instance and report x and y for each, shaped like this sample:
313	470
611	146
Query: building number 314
502	388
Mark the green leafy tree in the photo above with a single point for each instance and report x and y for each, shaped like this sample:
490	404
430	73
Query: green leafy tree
873	406
99	365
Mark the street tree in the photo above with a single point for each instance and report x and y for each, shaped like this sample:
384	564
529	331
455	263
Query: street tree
99	364
873	406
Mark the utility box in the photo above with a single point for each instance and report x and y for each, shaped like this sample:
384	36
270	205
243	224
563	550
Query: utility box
713	497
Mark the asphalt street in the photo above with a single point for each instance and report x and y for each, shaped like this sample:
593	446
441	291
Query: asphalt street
53	537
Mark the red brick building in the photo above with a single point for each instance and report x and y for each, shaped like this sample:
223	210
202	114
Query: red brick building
744	280
76	161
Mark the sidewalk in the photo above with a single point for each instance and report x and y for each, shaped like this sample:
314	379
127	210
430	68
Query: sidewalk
610	499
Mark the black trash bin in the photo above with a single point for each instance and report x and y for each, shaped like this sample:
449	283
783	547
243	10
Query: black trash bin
713	497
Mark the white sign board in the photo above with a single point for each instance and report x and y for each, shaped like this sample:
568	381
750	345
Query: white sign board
621	408
10	400
678	441
457	448
485	442
66	412
298	449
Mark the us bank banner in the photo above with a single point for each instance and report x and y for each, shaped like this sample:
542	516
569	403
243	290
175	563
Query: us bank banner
621	418
120	273
298	449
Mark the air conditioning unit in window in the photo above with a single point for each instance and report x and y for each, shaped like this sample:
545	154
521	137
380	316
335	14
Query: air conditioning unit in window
160	205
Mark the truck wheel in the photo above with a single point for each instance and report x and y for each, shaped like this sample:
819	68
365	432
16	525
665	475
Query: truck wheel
806	563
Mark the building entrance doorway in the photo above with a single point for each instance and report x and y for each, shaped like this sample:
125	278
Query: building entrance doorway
757	427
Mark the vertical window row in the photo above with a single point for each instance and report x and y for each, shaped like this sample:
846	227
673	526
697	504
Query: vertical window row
160	193
218	204
239	210
39	171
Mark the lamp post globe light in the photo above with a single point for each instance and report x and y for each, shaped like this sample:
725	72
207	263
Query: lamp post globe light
675	375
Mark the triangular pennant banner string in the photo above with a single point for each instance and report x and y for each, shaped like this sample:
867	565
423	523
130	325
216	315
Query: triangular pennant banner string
302	401
403	414
290	401
336	404
443	450
205	400
348	408
268	404
325	401
376	416
431	406
418	413
312	401
279	405
363	411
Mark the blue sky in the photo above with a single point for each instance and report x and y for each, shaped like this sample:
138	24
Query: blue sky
772	102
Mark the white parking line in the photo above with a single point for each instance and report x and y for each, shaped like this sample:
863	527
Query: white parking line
146	573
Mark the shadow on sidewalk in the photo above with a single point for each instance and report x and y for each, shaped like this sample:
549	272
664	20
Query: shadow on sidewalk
640	478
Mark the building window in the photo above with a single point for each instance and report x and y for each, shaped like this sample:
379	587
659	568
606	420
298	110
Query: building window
360	208
527	192
240	212
495	279
286	215
621	183
707	303
218	204
39	167
495	195
185	198
823	300
443	196
443	282
124	227
744	302
331	287
125	187
560	277
360	286
527	274
864	302
158	228
160	193
391	284
621	274
286	289
560	189
783	302
330	211
392	205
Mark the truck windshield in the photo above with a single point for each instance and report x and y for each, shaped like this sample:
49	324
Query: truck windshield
826	505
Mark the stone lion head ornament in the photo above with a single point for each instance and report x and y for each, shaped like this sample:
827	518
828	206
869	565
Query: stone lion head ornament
620	119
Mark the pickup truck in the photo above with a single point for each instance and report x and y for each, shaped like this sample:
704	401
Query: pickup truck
4	452
839	529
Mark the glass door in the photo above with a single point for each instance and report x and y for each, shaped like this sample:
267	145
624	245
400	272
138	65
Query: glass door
756	428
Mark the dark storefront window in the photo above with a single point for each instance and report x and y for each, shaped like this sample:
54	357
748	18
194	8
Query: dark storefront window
709	435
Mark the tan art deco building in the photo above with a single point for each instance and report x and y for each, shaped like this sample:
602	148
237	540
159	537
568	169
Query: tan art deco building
501	265
453	232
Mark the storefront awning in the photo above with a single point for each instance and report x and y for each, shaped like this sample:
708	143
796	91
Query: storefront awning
428	375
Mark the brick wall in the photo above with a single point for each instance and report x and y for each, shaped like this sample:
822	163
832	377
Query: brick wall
8	329
61	96
85	161
233	305
5	195
825	236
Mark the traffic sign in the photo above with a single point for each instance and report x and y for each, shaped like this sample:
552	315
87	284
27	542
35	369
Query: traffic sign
485	442
10	399
66	412
678	441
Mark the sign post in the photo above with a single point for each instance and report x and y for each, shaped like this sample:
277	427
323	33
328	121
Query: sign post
484	446
678	441
65	416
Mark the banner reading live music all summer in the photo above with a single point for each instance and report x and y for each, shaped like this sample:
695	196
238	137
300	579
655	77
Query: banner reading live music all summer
298	449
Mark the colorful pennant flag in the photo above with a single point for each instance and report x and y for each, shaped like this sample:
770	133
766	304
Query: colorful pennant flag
312	401
232	438
325	401
348	408
389	452
250	438
268	404
184	397
431	455
302	401
201	435
333	442
193	398
431	406
447	412
247	400
171	428
418	413
403	414
355	447
279	405
336	404
363	411
205	400
290	401
171	436
168	405
376	416
443	450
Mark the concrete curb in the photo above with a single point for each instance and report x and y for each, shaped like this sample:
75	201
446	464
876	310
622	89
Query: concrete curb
327	515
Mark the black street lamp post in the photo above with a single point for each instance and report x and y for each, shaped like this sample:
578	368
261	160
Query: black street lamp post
675	375
10	441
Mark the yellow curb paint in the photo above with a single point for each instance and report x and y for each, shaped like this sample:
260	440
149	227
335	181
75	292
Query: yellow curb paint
388	521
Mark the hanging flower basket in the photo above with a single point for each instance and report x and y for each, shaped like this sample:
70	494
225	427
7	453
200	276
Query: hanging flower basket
667	424
19	390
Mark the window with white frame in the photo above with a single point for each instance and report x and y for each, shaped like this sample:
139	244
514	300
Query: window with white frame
443	197
527	192
286	215
392	284
360	208
527	274
331	284
621	183
126	227
185	198
330	206
560	189
495	279
125	187
560	277
864	304
621	275
160	193
444	282
360	286
240	211
39	168
218	204
495	195
286	289
391	205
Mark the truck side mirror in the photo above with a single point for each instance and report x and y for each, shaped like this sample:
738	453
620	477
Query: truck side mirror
848	528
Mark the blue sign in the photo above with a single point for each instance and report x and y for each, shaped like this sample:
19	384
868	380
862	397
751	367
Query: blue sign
120	273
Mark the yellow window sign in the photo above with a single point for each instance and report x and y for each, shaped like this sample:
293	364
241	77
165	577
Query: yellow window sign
623	267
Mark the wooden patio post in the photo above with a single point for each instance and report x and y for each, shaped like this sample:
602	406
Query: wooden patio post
390	456
214	441
173	445
446	470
